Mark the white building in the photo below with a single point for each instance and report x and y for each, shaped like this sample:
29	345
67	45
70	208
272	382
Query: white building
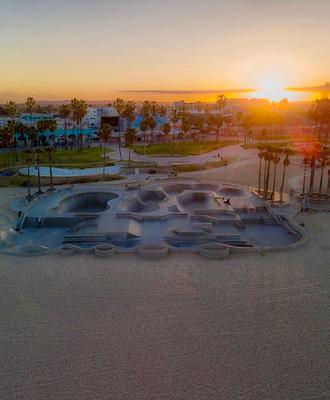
92	118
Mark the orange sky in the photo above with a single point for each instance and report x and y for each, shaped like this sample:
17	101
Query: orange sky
95	50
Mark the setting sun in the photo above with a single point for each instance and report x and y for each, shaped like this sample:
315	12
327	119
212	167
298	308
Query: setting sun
273	90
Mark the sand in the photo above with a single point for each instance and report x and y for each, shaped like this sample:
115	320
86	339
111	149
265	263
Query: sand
247	328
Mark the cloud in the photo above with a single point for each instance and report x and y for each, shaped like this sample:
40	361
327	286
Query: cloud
206	91
312	89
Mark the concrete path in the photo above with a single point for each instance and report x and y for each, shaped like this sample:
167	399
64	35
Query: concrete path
225	152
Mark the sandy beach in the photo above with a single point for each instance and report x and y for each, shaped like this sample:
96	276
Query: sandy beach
250	327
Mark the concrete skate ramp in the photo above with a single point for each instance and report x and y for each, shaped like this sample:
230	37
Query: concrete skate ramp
178	187
92	202
135	205
198	200
233	192
148	196
207	186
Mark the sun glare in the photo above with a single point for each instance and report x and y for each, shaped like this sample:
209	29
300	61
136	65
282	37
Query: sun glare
273	90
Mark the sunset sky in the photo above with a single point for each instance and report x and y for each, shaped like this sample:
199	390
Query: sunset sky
102	49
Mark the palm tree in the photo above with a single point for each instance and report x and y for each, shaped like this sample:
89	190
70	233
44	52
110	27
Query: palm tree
79	111
65	112
129	112
11	130
82	112
144	126
323	157
38	153
221	104
105	134
130	137
261	156
286	163
5	137
276	159
32	135
119	106
152	125
268	159
166	128
11	109
50	151
174	118
306	161
30	106
313	159
28	159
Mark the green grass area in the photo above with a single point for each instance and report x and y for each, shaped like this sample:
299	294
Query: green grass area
181	149
199	167
136	164
19	180
63	158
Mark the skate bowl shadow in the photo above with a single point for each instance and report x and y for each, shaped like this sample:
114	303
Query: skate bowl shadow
233	192
198	200
143	201
173	188
135	205
90	202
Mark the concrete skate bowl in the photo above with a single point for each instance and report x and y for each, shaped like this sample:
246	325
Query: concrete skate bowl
175	188
135	205
234	192
207	186
91	202
191	201
152	197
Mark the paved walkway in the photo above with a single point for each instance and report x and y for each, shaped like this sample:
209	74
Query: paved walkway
225	152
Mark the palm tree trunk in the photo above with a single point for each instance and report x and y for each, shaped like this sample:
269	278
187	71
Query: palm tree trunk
129	156
259	178
51	183
321	181
304	181
274	182
65	136
103	158
29	184
267	180
283	180
265	173
39	178
311	182
119	146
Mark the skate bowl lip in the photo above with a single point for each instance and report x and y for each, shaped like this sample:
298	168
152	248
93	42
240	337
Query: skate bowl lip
177	187
153	251
80	202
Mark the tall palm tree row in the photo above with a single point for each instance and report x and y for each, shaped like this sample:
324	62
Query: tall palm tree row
286	162
105	135
271	155
119	106
79	111
65	112
130	137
